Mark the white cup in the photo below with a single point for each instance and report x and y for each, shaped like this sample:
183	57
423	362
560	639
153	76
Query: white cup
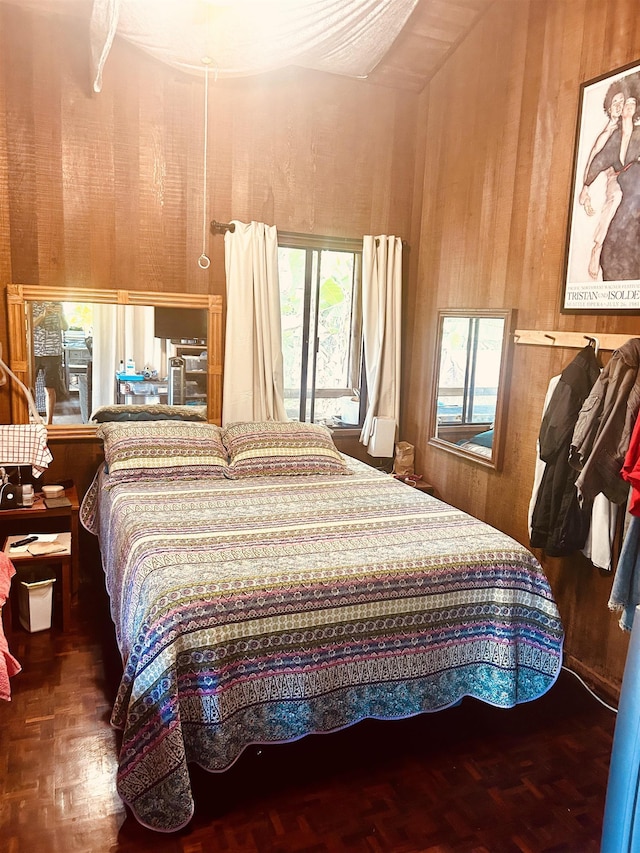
27	495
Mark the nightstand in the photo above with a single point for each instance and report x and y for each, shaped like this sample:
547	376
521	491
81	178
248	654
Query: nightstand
422	487
40	519
419	485
25	560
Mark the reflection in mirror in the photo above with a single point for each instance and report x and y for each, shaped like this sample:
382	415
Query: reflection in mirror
80	350
469	393
87	355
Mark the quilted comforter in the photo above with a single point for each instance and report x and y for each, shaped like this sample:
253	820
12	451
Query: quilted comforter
262	610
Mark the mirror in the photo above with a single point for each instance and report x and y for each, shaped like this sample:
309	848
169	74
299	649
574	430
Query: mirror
79	349
469	391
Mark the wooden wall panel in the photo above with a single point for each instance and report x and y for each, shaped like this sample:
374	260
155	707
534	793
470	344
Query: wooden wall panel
106	190
501	119
5	235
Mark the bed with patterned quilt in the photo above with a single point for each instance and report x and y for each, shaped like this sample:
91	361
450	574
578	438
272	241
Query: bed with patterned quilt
264	587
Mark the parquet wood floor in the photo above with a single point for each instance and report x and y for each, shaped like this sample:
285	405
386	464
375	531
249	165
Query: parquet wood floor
472	779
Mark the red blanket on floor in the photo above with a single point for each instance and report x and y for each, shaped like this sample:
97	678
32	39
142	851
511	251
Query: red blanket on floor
8	664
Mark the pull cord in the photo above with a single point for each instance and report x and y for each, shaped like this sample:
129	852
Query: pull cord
204	261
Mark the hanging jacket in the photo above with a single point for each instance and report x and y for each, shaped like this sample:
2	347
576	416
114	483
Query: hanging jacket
599	547
631	470
603	431
559	524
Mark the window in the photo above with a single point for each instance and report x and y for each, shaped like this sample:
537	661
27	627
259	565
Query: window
320	299
470	359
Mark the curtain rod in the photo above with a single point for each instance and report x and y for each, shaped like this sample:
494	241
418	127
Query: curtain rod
221	227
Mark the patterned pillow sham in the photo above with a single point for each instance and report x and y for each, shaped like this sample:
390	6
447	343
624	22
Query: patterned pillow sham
151	412
268	448
162	449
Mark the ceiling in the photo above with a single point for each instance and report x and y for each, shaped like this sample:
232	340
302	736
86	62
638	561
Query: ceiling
432	33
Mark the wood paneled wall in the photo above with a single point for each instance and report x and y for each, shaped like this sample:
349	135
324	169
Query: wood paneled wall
500	125
105	190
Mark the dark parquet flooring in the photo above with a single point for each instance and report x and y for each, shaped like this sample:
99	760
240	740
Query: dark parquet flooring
472	779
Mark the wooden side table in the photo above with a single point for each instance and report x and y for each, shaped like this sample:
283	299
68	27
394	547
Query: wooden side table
24	559
419	485
422	487
39	519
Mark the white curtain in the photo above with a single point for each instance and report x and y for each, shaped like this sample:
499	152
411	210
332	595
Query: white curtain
121	332
253	378
381	317
105	355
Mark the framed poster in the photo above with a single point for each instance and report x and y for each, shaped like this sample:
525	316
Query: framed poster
602	269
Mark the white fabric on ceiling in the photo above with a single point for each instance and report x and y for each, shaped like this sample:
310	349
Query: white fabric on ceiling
244	37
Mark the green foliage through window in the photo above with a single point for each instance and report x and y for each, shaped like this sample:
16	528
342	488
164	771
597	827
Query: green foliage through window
320	296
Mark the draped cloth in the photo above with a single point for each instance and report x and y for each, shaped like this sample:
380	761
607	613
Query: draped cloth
253	372
246	37
25	444
381	328
9	666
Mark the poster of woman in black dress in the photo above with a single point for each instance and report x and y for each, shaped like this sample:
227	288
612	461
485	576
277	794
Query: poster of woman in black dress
603	252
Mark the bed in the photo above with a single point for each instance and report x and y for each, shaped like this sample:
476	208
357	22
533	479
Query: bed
481	443
270	589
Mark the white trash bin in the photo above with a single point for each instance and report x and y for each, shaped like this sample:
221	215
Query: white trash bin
35	600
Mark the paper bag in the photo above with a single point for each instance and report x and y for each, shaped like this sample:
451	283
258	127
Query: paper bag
403	459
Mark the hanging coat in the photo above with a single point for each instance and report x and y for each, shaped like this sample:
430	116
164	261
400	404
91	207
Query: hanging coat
559	524
605	424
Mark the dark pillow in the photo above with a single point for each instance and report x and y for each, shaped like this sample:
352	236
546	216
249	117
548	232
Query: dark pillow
152	412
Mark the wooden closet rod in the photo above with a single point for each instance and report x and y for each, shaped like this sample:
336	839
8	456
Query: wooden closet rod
541	338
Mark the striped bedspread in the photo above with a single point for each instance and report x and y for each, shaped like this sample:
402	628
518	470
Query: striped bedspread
262	610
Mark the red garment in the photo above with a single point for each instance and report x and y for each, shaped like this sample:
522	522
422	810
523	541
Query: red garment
9	666
631	469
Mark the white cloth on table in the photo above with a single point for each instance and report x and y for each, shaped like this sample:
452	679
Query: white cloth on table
25	444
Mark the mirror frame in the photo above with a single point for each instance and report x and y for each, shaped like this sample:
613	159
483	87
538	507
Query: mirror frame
19	356
495	460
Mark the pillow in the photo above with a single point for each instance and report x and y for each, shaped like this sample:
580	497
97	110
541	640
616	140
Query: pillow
162	449
484	438
273	447
157	412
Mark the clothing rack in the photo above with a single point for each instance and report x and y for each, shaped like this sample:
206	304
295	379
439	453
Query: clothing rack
578	340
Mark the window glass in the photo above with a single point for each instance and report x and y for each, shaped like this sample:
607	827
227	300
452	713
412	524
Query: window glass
321	333
469	369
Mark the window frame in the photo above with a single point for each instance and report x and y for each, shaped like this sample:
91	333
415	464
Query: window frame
312	245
